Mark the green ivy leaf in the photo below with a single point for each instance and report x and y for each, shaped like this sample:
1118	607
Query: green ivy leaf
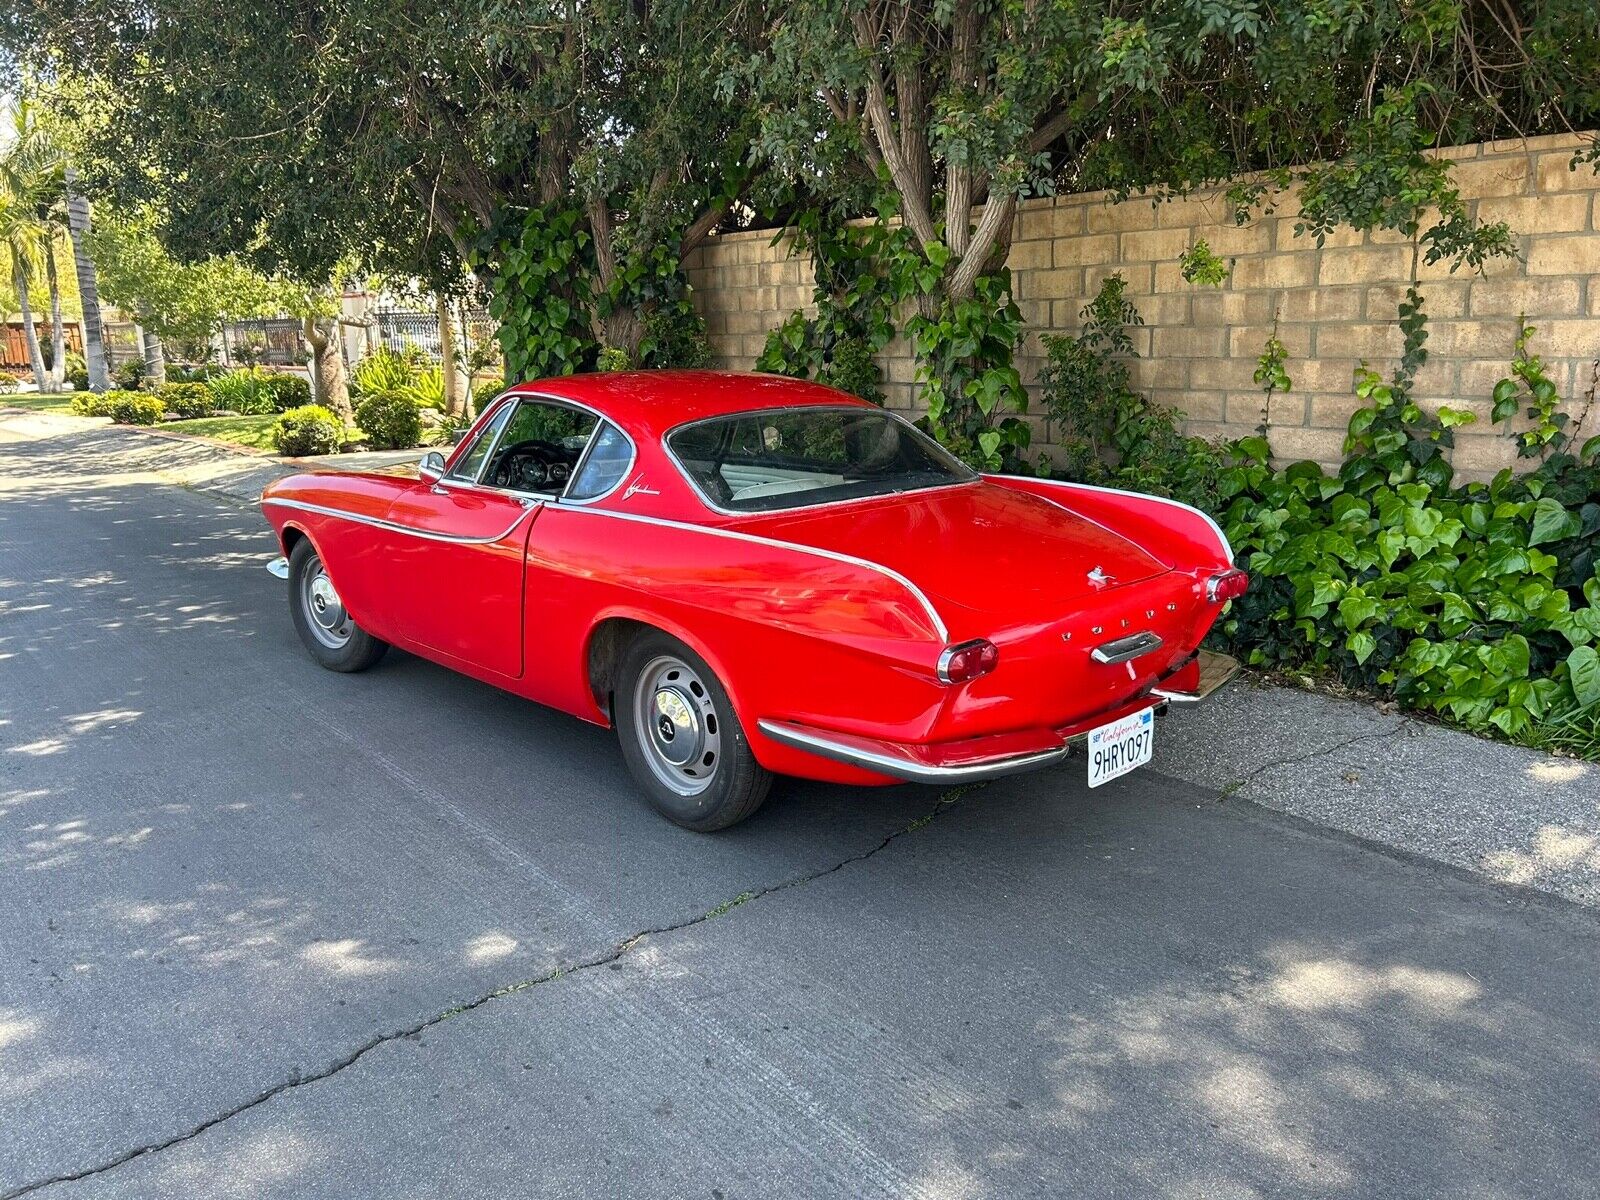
1363	645
1583	672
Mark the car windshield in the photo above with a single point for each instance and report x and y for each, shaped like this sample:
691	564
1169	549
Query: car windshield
792	457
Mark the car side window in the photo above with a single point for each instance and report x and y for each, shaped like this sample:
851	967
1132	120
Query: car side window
540	447
610	455
466	467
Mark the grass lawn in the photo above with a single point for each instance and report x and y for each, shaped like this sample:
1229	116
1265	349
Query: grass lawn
255	432
36	403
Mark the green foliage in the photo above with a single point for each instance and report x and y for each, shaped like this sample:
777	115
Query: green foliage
1271	375
308	429
1547	426
1112	434
1479	602
612	359
965	362
185	400
77	372
287	390
248	392
130	375
390	419
1200	266
123	406
535	263
383	370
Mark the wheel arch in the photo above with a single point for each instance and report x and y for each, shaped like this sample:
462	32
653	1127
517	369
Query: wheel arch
607	644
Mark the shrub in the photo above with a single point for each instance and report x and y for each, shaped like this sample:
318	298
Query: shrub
8	383
186	400
1478	602
309	429
198	373
245	391
88	404
390	419
129	375
287	390
77	373
382	371
131	408
484	393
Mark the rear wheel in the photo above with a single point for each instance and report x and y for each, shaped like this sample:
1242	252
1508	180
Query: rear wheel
681	740
328	631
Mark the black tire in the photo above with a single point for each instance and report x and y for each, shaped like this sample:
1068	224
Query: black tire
718	783
330	636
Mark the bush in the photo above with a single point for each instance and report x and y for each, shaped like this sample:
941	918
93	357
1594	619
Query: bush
1478	602
77	373
129	375
309	429
186	400
287	390
382	371
198	373
245	391
390	420
87	404
484	393
130	408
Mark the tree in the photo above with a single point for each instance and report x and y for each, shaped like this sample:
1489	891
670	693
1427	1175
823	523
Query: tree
425	139
962	103
31	189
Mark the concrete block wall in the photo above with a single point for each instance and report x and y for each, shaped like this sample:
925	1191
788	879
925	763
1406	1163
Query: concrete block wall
1333	305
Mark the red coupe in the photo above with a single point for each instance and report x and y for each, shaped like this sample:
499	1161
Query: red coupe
749	575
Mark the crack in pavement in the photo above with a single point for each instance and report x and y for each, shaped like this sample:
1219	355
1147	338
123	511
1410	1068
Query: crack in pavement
1233	788
610	955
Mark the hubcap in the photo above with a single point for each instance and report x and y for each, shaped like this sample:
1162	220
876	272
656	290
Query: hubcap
325	613
677	725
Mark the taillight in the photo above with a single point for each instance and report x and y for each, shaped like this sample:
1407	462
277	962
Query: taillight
1229	585
958	664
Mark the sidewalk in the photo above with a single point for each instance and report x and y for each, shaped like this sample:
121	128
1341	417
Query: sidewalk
1516	816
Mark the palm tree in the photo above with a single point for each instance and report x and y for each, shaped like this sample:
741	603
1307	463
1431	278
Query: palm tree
19	231
94	346
32	190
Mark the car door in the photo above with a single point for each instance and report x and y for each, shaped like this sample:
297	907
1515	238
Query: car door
456	554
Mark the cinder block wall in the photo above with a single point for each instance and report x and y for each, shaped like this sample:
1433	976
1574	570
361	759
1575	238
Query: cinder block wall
1334	305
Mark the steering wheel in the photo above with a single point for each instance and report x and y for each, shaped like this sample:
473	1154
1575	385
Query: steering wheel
531	466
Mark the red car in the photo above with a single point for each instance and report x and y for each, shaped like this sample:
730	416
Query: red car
748	576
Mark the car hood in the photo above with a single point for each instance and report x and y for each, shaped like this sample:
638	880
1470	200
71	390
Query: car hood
979	545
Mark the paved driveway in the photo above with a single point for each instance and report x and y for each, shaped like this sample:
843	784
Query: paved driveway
267	931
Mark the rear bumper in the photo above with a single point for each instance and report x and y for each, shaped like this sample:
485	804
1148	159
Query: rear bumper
991	757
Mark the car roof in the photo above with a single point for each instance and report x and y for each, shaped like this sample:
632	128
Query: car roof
649	403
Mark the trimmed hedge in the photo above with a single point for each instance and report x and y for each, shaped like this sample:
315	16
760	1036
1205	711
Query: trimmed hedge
390	420
308	429
186	400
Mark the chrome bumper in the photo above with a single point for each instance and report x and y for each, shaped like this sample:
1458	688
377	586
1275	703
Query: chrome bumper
1215	670
881	757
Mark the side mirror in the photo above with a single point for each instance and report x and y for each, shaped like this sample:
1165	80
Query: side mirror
431	468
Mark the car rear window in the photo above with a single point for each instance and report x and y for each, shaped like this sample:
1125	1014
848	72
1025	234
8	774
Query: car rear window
793	457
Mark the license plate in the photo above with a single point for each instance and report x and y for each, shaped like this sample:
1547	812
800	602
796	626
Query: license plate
1119	747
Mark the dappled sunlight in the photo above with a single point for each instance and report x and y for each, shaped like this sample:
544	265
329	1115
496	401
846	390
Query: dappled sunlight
1554	849
347	956
1557	771
256	1160
15	1026
1338	983
490	947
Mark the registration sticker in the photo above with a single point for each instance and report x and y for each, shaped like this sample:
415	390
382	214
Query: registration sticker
1119	747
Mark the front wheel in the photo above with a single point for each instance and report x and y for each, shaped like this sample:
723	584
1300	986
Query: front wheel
681	740
328	631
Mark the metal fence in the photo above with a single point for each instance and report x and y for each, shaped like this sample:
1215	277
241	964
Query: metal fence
409	332
276	341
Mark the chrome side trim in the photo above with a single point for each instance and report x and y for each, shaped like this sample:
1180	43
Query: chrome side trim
1126	649
1222	538
279	568
396	527
883	764
1215	670
714	531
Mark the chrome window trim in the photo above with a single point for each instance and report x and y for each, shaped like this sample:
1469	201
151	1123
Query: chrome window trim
888	572
468	445
672	455
510	398
396	527
1222	538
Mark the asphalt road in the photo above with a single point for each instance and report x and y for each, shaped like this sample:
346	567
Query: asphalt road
267	931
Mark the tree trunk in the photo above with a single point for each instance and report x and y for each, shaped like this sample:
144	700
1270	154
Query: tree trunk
328	385
155	358
58	335
19	282
449	364
94	346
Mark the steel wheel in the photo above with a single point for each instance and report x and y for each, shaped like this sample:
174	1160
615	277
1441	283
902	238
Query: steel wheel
677	725
325	614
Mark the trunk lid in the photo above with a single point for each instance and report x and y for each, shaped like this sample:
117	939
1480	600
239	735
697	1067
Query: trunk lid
980	546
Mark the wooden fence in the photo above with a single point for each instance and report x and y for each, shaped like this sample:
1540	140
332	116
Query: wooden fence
16	341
